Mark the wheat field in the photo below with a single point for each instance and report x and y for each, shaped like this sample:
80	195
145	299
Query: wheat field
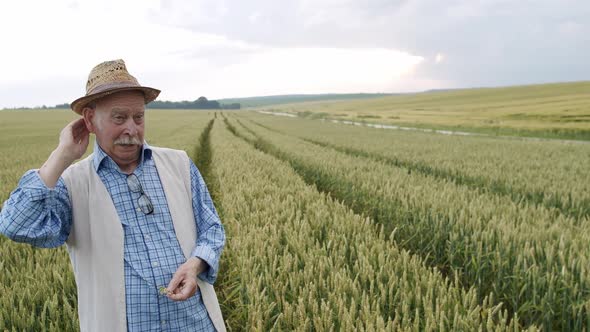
333	227
555	110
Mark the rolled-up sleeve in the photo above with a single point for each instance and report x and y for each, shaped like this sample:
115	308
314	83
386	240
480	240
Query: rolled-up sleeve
211	235
36	214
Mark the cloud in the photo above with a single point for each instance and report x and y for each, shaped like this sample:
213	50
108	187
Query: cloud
197	47
37	92
484	42
268	71
439	58
309	70
56	51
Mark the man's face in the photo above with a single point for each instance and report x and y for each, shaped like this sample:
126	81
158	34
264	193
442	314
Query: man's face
118	123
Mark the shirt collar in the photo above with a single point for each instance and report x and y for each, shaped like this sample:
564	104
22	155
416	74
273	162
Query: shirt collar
102	159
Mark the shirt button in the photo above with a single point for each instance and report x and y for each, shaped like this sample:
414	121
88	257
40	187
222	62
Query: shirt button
148	237
155	264
138	210
163	322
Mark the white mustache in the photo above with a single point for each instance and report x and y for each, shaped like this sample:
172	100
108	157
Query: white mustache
125	140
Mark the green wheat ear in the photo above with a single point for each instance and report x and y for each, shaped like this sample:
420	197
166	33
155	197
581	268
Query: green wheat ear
163	290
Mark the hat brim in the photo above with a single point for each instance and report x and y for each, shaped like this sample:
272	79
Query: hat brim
150	94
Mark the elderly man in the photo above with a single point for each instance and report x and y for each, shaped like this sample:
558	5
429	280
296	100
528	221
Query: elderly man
143	235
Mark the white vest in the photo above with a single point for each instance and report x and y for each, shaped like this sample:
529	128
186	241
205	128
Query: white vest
95	243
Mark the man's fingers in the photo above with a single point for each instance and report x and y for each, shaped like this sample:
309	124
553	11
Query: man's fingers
79	129
76	123
185	292
77	133
176	279
79	126
183	285
81	134
84	139
73	132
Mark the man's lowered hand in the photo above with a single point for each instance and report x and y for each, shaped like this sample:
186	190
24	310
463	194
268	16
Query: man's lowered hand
184	282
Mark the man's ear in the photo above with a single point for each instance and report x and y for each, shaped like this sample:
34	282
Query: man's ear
89	114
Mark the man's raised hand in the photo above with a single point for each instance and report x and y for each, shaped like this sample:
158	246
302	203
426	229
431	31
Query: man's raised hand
73	142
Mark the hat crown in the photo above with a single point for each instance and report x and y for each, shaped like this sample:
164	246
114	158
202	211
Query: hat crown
110	77
108	73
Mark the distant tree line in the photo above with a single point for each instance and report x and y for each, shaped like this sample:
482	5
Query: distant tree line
201	103
42	107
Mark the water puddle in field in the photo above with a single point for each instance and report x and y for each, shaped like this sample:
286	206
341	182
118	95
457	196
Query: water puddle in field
384	126
435	131
279	114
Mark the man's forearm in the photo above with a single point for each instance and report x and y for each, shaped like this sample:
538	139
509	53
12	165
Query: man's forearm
73	141
53	168
35	214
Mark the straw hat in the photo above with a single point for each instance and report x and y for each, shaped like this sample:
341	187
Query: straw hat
107	78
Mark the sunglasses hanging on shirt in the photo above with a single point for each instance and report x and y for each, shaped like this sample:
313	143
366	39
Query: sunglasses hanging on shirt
144	202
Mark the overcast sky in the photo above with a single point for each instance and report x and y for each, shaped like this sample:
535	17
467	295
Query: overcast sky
233	48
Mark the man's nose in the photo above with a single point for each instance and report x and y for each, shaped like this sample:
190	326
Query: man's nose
131	128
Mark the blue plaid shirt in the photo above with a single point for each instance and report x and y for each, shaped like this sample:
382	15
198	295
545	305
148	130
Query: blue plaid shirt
42	217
